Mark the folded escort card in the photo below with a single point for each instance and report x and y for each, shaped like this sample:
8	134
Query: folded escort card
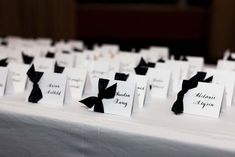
159	80
17	77
65	60
75	84
226	78
199	97
205	100
3	79
226	65
44	64
46	88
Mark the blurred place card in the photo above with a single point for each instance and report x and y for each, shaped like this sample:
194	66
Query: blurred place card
80	60
159	80
65	60
226	78
17	77
128	61
195	64
204	100
3	79
75	84
175	70
184	66
99	69
226	65
163	52
122	103
141	87
53	88
44	64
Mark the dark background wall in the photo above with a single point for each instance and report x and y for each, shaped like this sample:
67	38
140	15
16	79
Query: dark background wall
197	27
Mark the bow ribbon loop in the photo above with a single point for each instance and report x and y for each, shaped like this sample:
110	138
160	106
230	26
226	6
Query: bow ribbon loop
26	58
58	69
178	106
121	76
3	62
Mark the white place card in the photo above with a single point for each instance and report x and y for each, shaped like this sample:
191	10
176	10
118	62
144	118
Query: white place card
159	80
44	64
226	78
99	69
3	79
75	84
226	65
204	100
163	52
128	61
53	87
18	77
122	103
65	60
81	61
195	64
149	56
184	66
175	70
141	87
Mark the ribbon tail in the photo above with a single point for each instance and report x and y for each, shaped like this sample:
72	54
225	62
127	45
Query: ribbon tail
178	106
35	95
89	102
99	107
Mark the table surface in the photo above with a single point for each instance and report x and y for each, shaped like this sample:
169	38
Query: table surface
154	122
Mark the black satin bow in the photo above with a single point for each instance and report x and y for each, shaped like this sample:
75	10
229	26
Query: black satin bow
121	76
36	93
3	62
58	69
65	52
50	55
184	58
230	58
26	58
104	93
178	106
77	50
161	60
181	57
142	67
4	43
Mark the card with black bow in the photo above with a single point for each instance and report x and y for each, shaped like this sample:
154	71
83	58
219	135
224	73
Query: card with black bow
199	97
113	97
46	88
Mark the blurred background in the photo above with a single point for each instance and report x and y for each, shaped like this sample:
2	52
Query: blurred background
192	27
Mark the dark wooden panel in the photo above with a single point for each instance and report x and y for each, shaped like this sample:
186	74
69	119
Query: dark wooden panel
142	22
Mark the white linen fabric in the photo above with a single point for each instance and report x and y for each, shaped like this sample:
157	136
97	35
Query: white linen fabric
33	130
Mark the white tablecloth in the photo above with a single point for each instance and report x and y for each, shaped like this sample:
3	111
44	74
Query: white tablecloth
32	130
